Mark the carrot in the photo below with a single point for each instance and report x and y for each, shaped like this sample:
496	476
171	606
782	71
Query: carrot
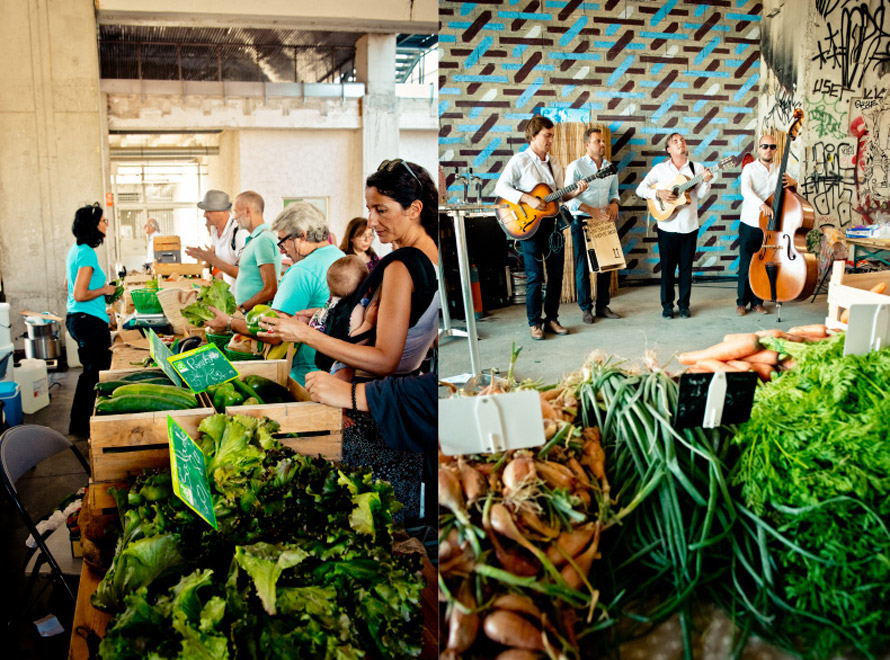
697	370
816	330
845	316
739	364
765	356
726	350
879	288
765	371
774	332
712	366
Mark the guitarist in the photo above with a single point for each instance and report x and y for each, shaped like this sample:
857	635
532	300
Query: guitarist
524	171
677	234
598	203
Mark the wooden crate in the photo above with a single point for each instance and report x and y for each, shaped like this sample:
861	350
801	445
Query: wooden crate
123	445
178	269
845	289
323	423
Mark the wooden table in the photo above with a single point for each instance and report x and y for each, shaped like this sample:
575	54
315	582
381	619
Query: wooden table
872	249
86	617
123	355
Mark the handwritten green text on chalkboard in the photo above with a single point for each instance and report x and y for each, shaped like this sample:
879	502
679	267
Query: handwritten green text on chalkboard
189	472
203	367
160	353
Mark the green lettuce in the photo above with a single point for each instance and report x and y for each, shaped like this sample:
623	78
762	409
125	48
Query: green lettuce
217	295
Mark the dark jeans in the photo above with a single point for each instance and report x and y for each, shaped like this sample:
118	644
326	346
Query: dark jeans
750	242
676	252
93	342
533	251
582	271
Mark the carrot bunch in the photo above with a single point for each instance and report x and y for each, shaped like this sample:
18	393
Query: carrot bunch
749	352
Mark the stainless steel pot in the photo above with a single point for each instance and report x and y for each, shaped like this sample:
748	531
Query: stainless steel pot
43	348
41	330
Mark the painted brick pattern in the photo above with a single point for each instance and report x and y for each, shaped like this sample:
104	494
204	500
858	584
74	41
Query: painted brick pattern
644	69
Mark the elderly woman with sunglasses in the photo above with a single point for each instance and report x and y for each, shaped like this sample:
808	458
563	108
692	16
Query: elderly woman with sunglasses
402	208
303	236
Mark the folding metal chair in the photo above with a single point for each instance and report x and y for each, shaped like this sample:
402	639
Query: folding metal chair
22	448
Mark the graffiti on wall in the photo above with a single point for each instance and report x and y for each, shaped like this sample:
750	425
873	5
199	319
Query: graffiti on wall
870	124
859	42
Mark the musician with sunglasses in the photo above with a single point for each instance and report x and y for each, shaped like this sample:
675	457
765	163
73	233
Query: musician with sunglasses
759	180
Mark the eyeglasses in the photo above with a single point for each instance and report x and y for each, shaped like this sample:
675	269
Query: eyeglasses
767	146
390	165
285	240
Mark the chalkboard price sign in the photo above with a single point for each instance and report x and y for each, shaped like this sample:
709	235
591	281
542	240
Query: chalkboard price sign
202	367
189	472
160	354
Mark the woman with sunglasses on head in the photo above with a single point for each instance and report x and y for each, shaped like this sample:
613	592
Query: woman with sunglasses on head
303	236
87	320
357	240
402	208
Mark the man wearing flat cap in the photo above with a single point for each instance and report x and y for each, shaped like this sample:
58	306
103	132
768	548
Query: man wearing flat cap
228	238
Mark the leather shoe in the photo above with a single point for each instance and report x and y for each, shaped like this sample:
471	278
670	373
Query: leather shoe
760	309
537	331
588	317
554	327
607	313
740	310
684	313
667	313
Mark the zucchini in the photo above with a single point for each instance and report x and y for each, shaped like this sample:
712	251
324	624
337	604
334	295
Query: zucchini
131	403
167	391
110	386
144	374
271	391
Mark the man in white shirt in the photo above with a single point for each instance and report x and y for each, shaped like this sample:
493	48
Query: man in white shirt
759	181
151	230
523	172
227	237
599	203
677	234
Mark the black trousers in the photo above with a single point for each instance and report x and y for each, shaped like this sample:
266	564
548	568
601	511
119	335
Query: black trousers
676	252
93	343
750	242
582	271
536	255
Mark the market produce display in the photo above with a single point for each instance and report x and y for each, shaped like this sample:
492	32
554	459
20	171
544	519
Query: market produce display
782	521
300	567
247	390
142	391
217	294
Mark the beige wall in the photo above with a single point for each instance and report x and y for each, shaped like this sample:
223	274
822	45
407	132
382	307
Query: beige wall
50	137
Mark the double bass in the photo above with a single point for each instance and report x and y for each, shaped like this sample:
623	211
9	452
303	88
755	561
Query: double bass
783	269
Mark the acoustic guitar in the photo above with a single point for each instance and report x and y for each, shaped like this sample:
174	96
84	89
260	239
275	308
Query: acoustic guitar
521	221
662	210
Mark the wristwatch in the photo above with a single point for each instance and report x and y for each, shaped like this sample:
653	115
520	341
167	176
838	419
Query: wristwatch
229	324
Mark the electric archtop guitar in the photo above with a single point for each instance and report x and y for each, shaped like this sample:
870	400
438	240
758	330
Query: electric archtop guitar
662	210
521	221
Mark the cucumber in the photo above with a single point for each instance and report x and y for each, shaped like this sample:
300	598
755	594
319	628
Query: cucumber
126	404
271	391
110	386
144	374
167	391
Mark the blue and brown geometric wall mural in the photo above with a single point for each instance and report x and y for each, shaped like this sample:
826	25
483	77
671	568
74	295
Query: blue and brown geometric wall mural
643	69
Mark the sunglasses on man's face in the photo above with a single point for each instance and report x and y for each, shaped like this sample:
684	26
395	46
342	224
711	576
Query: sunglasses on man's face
767	146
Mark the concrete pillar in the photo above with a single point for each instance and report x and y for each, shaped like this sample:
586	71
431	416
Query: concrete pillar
50	145
375	65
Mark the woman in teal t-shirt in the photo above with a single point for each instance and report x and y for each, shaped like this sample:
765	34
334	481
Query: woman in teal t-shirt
87	321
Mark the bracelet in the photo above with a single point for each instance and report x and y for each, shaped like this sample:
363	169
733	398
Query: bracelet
354	407
229	325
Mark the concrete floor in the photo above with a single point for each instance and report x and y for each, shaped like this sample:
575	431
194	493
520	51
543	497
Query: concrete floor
41	490
640	328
